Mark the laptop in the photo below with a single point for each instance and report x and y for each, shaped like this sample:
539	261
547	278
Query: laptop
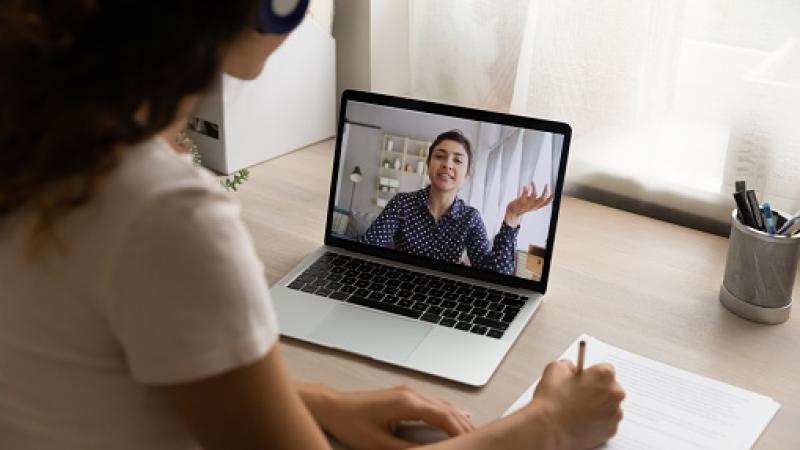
447	292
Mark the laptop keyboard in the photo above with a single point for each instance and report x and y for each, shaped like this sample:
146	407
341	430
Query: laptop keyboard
429	298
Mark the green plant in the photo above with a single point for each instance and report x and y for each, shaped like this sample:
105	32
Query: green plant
229	183
238	179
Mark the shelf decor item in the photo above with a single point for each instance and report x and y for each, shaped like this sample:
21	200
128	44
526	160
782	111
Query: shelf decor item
406	169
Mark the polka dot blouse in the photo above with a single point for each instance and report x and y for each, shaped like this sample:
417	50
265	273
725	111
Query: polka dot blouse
406	224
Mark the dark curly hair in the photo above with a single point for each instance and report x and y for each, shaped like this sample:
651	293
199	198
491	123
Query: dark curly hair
83	79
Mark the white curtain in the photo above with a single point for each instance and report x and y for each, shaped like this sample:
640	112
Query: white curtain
670	100
507	159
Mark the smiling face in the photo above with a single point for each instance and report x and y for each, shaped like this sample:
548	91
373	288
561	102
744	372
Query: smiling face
448	165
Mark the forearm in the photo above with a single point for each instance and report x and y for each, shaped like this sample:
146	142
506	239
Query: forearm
529	428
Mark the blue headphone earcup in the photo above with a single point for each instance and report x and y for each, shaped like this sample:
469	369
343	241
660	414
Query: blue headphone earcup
280	16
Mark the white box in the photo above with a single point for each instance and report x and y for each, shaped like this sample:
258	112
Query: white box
290	105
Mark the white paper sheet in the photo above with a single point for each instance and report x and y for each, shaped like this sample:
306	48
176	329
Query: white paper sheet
669	408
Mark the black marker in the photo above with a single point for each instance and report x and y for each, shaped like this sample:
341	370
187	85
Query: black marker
743	208
755	208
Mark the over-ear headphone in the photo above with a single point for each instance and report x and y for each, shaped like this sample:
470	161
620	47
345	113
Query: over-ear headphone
280	16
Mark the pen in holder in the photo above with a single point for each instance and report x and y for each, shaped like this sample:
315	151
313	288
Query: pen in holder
760	272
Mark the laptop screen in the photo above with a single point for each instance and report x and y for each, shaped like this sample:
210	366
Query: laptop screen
463	190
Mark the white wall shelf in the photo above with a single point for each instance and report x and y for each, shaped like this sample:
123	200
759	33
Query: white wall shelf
402	167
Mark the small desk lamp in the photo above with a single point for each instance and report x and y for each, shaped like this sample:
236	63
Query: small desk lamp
355	177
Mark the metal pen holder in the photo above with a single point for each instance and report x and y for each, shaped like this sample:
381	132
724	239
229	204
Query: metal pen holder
760	272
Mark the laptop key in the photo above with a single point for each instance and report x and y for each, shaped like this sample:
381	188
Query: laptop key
361	283
448	304
339	295
391	299
447	322
509	315
497	334
466	317
405	303
419	297
309	289
464	326
496	306
380	306
466	299
495	315
491	323
428	317
324	292
434	301
513	303
480	303
480	312
419	306
376	296
296	284
451	296
362	292
349	289
478	329
463	307
435	310
436	293
407	285
450	313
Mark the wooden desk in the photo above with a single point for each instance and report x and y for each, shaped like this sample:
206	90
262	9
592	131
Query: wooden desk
647	286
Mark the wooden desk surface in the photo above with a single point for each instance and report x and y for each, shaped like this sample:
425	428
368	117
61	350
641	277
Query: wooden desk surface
646	286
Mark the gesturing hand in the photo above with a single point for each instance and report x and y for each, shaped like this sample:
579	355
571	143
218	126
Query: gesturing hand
528	201
367	420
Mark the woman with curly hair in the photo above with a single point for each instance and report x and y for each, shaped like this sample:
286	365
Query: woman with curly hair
133	308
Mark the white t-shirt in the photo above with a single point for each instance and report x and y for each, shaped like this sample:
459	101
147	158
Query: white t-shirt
158	283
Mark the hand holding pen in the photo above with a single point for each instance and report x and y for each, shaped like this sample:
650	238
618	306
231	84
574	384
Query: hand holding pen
583	404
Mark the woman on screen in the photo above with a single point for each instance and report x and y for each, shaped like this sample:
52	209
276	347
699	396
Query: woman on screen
435	223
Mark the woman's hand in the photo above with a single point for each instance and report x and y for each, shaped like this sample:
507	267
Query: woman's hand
528	201
584	410
367	419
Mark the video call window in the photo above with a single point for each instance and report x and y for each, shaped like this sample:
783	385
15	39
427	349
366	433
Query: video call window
457	190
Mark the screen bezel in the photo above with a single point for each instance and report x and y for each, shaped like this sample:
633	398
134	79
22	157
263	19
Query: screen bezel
462	113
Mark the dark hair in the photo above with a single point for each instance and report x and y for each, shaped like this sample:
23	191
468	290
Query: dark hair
453	135
82	79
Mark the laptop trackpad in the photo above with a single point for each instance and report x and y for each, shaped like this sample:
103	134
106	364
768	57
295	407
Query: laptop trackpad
370	333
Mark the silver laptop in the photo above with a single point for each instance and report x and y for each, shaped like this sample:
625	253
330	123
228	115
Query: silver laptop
420	268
